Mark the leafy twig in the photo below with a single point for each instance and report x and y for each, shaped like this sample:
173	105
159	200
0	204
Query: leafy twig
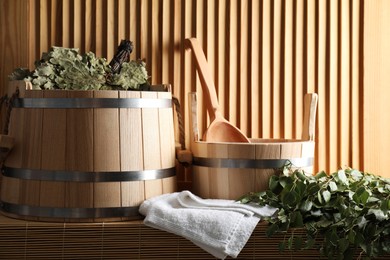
349	210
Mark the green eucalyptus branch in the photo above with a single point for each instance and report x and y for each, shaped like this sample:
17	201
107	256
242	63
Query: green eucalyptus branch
345	213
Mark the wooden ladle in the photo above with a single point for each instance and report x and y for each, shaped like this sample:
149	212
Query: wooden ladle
219	130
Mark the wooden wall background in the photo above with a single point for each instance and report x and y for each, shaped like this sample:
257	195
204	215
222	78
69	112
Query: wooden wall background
265	55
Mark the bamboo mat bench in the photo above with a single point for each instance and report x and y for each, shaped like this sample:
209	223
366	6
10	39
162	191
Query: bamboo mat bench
119	240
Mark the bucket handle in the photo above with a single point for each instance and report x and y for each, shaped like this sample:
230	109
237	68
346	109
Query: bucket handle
309	117
7	142
184	156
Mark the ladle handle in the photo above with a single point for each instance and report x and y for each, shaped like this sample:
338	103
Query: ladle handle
206	79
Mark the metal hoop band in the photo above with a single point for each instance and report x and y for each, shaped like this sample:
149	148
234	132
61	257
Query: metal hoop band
92	103
78	176
251	163
79	213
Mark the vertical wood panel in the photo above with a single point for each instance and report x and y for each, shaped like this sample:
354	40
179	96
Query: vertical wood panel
276	68
232	62
154	18
288	71
111	31
345	90
131	25
356	130
121	20
265	55
255	67
165	34
322	133
311	48
220	42
88	25
243	83
333	127
376	86
44	25
65	28
298	65
78	24
266	66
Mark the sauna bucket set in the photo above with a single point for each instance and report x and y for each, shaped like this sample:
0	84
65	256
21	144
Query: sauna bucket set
87	156
226	164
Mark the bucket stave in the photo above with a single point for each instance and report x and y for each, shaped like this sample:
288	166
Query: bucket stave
87	155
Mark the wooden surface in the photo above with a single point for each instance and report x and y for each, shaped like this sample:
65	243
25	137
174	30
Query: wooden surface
122	240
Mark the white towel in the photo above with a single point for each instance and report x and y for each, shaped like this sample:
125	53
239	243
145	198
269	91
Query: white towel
220	227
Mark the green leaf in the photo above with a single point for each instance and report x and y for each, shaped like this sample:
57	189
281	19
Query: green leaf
245	200
356	175
320	175
349	254
337	217
333	237
385	205
273	182
296	219
312	188
324	223
285	181
301	175
300	188
343	244
379	214
361	222
316	213
290	198
370	230
326	195
298	243
333	186
361	195
351	236
359	238
272	229
319	197
342	177
290	242
306	206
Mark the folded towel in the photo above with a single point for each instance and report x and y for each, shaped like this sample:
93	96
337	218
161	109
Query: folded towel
220	227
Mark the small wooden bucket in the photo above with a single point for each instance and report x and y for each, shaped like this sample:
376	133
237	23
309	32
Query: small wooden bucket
230	170
86	156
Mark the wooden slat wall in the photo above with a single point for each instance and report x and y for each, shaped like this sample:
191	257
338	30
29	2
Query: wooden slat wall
265	55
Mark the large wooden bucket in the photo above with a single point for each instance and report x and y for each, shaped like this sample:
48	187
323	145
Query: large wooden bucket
230	170
87	155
